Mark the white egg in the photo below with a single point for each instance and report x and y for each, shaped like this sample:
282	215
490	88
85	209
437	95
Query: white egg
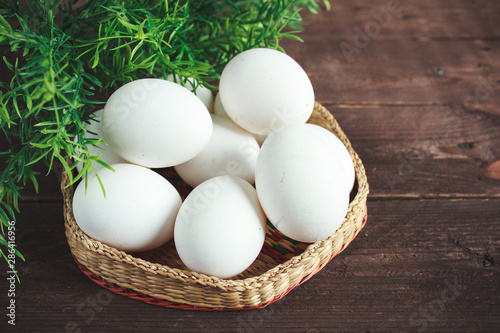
230	151
203	93
220	228
156	123
338	149
219	110
218	107
137	213
94	131
301	184
264	89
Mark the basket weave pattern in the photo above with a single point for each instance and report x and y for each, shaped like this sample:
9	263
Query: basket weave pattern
159	277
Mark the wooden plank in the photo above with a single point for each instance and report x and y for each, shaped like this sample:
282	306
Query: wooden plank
389	72
401	19
408	152
425	152
416	265
432	53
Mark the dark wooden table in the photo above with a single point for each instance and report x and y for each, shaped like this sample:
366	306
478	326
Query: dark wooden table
415	86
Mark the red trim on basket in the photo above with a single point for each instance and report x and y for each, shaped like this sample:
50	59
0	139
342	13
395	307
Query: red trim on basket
155	301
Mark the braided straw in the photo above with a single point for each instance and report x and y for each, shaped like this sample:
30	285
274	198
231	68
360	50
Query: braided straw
159	277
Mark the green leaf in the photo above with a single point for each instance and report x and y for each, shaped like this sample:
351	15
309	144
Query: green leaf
96	58
5	29
106	165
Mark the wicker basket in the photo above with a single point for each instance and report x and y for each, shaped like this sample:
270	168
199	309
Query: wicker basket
159	277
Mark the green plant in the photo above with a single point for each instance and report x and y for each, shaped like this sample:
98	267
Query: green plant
67	56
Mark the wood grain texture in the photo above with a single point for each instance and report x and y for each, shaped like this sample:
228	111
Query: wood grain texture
390	72
395	65
403	19
425	151
420	103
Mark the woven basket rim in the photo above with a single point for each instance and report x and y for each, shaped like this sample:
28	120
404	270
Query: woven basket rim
203	279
